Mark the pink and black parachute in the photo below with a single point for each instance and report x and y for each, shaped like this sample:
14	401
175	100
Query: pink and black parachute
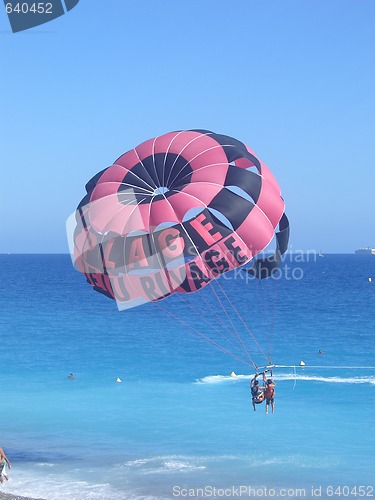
176	212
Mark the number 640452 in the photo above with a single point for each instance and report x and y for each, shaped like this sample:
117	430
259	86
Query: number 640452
25	8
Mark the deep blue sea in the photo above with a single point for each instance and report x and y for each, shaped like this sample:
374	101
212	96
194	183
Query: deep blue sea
178	425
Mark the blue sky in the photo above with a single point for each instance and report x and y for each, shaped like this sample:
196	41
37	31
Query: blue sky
294	80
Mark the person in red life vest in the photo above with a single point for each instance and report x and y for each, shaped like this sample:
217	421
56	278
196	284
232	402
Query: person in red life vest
269	395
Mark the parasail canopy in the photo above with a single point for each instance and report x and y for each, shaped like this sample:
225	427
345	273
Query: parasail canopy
175	213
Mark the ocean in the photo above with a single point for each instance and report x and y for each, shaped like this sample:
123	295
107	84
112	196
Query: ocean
178	424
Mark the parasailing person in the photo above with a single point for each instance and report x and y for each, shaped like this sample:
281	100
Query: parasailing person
269	395
257	391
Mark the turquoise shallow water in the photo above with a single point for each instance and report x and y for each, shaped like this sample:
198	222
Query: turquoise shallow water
178	421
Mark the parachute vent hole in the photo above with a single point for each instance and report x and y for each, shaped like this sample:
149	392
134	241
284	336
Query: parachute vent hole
160	190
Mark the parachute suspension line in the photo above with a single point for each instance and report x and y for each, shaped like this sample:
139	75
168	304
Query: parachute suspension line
258	287
239	338
268	313
201	334
219	320
244	323
274	306
203	318
234	334
269	310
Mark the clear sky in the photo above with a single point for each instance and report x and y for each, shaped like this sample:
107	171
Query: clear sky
294	79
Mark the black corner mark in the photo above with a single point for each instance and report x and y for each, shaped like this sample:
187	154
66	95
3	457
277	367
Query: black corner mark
26	14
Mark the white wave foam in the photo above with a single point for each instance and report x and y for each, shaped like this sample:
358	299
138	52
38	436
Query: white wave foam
56	488
172	464
165	464
34	483
217	379
178	466
306	462
330	380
